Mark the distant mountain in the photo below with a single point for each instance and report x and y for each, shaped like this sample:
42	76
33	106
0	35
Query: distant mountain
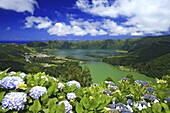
149	55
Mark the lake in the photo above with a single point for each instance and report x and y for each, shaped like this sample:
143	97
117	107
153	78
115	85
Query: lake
100	70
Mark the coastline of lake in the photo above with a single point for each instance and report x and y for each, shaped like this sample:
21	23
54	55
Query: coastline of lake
100	70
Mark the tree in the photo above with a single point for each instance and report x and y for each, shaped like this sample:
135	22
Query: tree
86	77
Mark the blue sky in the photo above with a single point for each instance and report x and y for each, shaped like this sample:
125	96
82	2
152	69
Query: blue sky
82	19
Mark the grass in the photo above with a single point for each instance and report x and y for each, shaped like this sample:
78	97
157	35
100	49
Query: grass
100	71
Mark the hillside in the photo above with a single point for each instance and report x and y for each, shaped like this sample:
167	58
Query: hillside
147	55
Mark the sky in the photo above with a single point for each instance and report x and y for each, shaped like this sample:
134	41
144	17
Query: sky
82	19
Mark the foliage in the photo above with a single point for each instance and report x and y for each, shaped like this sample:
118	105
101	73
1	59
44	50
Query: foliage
106	97
150	56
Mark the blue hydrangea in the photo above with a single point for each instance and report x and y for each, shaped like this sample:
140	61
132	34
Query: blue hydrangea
113	88
14	101
149	97
167	100
22	74
68	106
141	82
129	102
144	83
37	91
107	92
70	83
124	79
71	96
60	86
11	82
150	89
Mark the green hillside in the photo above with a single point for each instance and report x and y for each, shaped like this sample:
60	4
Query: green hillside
149	55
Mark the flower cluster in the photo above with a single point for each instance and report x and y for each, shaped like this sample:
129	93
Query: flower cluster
60	86
109	82
22	74
37	91
141	82
149	97
150	89
124	79
11	82
70	83
68	107
71	96
167	100
120	107
14	101
11	73
43	77
107	92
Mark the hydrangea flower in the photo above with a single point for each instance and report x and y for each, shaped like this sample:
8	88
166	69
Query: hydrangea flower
70	83
37	91
107	92
71	96
113	88
150	89
44	77
22	74
68	107
129	96
129	102
124	79
11	82
95	84
141	82
142	105
144	83
11	73
14	101
167	100
109	82
122	108
149	97
60	86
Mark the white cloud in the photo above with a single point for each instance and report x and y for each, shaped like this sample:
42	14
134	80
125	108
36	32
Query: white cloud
38	22
137	34
19	5
147	16
77	28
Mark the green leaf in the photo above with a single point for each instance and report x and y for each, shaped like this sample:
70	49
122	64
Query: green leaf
156	108
52	105
79	108
132	90
53	89
36	106
2	95
3	111
44	98
85	102
60	108
166	108
101	106
46	110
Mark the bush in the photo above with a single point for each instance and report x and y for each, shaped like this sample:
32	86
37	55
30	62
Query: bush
41	93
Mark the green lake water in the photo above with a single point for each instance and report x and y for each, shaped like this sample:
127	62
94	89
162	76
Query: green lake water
100	70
